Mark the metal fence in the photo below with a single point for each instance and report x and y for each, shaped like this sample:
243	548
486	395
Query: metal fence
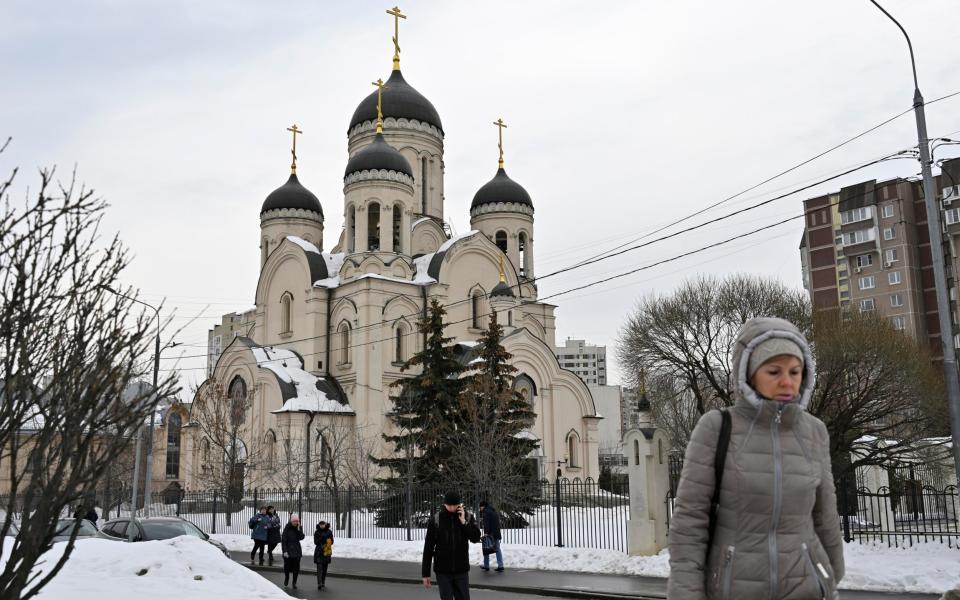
568	513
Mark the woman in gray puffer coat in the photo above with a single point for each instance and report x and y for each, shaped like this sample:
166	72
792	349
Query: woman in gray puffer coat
777	535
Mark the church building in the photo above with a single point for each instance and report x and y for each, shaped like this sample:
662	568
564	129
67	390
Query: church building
331	328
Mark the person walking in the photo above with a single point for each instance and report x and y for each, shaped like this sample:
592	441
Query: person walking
273	533
322	552
292	551
771	531
446	546
490	522
259	524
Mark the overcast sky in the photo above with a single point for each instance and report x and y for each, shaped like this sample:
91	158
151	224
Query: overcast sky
621	118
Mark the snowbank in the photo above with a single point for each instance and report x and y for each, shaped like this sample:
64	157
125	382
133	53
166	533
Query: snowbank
185	568
924	568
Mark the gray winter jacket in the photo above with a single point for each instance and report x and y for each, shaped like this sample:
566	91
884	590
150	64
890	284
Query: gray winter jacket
777	535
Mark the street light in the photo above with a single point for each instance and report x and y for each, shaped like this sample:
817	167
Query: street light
936	246
148	475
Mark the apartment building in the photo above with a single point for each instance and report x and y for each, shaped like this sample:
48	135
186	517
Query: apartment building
231	325
866	248
588	362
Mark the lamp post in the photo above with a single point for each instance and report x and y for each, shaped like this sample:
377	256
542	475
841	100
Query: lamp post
936	246
557	492
148	474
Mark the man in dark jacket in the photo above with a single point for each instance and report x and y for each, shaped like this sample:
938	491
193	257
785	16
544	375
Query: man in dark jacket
447	546
490	521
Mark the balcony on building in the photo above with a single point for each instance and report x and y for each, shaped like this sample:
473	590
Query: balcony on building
859	240
951	209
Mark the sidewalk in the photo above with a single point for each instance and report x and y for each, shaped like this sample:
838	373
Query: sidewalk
557	584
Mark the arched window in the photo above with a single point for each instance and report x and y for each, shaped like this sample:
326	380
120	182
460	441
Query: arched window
270	451
398	344
238	400
500	239
286	300
423	184
344	342
522	247
636	452
173	446
509	318
205	454
573	449
351	228
373	227
397	219
475	310
324	448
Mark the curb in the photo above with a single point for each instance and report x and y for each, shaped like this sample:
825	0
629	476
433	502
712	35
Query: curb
548	592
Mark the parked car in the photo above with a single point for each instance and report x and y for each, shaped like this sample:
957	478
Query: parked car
65	528
154	528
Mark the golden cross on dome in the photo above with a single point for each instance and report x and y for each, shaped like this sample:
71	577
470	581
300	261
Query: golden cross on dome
380	85
500	125
295	131
503	276
397	15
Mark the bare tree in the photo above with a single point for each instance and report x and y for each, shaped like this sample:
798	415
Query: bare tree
344	461
68	351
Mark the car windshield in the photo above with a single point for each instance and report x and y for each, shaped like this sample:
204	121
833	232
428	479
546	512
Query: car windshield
65	527
164	530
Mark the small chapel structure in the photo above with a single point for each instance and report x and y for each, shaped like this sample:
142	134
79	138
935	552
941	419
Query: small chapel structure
331	328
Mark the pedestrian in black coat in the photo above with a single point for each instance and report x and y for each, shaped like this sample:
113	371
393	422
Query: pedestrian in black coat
490	522
322	552
292	551
273	532
447	547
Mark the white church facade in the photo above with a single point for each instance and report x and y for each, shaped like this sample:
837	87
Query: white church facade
331	328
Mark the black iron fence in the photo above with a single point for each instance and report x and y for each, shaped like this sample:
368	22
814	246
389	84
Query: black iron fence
570	513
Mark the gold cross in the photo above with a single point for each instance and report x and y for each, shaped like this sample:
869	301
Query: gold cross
500	125
503	276
397	15
380	86
295	131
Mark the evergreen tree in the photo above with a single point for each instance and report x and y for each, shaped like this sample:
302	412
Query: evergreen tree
423	408
490	441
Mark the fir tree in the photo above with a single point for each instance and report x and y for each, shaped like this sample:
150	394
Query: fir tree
491	441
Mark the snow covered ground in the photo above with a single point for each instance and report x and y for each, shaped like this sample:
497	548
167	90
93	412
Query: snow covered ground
185	568
923	568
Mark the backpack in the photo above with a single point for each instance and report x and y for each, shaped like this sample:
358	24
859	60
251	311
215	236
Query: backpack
718	460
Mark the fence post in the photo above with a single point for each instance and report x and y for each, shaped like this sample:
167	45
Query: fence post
349	511
408	510
844	509
559	512
179	500
119	500
300	503
213	525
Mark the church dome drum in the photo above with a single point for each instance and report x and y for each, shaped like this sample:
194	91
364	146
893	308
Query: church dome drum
501	189
378	156
292	196
400	101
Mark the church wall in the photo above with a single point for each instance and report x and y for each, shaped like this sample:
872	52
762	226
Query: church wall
513	224
360	197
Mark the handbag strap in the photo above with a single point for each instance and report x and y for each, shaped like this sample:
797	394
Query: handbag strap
718	461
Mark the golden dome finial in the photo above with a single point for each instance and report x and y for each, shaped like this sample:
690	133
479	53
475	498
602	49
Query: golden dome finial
380	86
293	151
500	125
397	15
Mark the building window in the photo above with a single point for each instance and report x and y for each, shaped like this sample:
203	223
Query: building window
868	283
896	300
857	214
500	239
344	330
398	344
864	260
270	451
286	300
205	453
573	450
373	227
887	211
475	310
423	184
892	256
397	219
890	232
351	228
522	244
867	304
173	446
953	216
894	277
899	323
238	400
859	236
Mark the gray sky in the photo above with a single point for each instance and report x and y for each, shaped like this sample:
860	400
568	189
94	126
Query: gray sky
620	119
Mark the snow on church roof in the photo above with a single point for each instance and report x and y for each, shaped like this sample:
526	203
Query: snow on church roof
301	390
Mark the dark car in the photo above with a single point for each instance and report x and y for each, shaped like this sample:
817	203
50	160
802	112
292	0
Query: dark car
154	528
64	529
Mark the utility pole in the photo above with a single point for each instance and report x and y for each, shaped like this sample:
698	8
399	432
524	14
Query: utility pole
936	251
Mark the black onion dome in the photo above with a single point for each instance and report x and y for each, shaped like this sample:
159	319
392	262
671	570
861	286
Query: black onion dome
501	189
378	155
502	289
400	101
292	195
